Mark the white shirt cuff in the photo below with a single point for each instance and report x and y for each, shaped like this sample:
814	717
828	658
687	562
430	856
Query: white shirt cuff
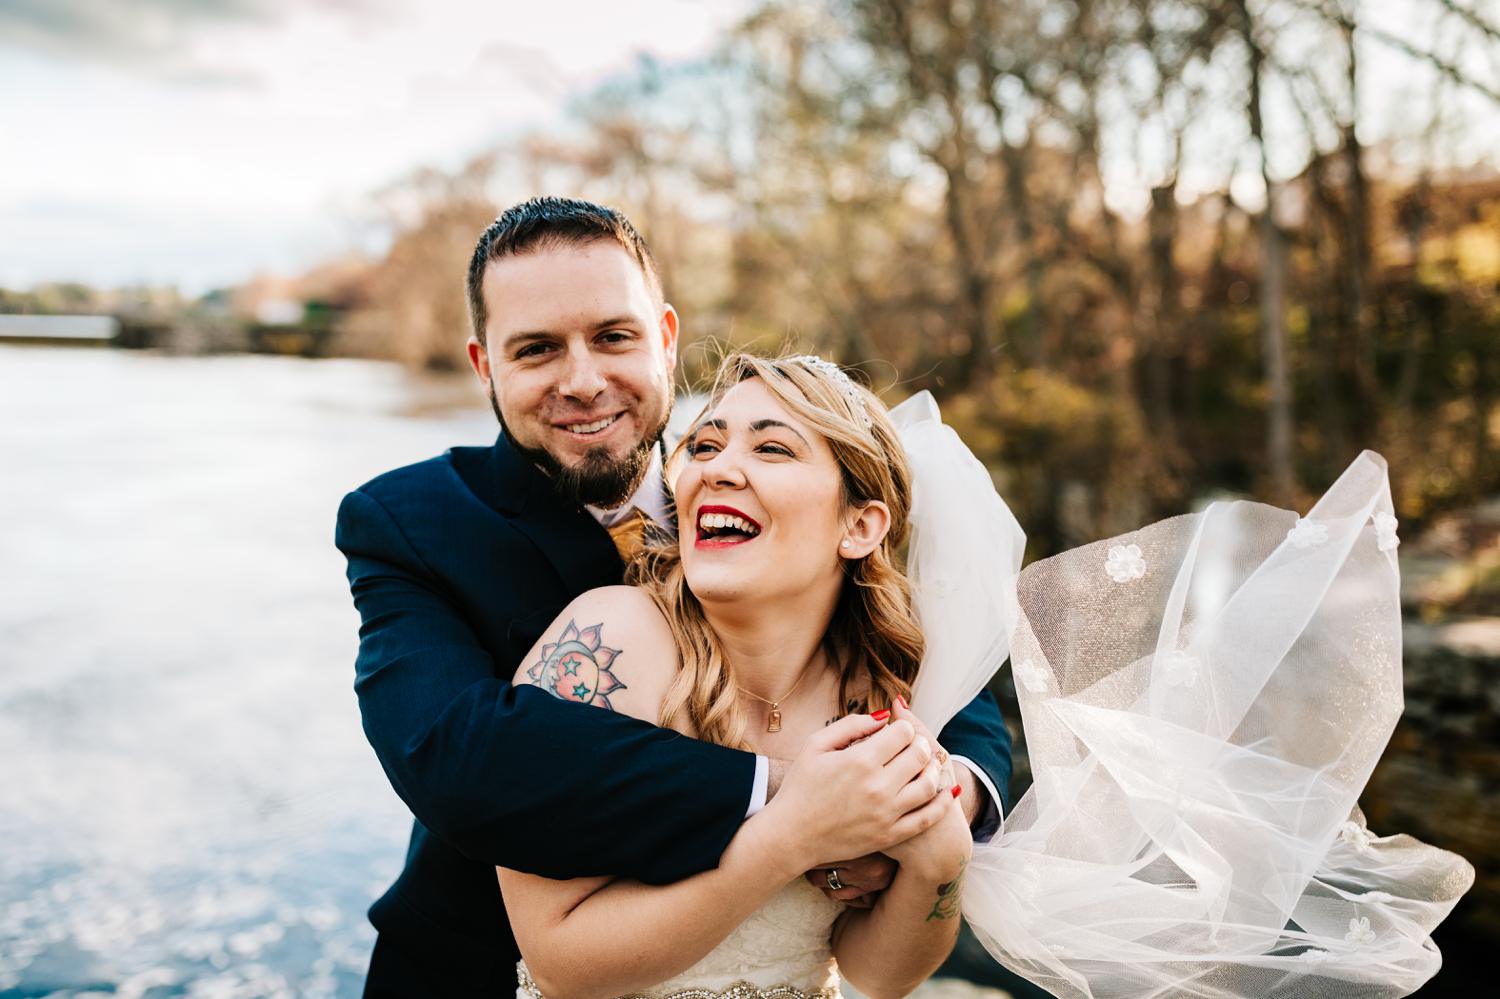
762	782
987	823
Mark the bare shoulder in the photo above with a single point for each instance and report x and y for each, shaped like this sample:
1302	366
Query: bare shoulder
610	648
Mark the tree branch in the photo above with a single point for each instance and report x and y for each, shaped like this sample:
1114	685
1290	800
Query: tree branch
1472	18
1442	65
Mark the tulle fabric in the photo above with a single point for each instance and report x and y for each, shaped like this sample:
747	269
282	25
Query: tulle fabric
1204	700
965	550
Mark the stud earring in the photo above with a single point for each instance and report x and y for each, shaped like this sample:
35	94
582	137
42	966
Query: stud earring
844	543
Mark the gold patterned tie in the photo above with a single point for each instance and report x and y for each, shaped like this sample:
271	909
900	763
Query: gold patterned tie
629	534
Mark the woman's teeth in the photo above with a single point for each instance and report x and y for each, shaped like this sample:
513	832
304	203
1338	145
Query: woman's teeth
592	428
727	521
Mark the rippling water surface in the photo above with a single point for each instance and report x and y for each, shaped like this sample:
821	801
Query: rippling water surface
187	804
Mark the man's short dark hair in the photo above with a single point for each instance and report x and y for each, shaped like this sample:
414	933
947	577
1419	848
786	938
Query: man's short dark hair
549	223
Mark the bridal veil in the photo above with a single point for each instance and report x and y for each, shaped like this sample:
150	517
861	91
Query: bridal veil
1203	700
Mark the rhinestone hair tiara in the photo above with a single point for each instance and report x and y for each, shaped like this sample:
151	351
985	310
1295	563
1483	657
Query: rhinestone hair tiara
838	374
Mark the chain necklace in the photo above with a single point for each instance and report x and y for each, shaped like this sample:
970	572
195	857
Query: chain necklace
773	721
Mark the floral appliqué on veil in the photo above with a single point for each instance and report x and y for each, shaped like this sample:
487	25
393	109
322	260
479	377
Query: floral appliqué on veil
1125	563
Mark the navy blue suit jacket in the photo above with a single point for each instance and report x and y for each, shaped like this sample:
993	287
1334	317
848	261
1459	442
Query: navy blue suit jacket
457	564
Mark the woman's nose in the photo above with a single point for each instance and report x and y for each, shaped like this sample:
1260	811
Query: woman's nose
724	470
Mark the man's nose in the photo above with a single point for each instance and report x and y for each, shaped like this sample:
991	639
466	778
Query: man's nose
582	377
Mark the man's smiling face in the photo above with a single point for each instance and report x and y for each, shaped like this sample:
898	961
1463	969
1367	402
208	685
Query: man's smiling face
578	360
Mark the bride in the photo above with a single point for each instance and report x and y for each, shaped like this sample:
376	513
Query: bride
1190	830
780	606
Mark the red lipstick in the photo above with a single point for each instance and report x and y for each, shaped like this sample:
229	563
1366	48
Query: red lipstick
706	538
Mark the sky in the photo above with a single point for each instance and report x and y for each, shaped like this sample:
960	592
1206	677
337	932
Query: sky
197	143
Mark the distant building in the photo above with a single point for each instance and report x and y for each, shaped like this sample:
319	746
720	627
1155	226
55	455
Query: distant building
79	330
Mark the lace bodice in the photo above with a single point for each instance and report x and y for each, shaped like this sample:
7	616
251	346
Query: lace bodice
783	951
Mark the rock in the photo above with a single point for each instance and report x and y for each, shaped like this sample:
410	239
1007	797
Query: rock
1439	779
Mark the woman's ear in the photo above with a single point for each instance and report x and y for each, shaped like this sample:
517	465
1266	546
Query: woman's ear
866	530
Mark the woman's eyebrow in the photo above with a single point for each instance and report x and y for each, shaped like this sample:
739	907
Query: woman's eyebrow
756	427
760	425
718	425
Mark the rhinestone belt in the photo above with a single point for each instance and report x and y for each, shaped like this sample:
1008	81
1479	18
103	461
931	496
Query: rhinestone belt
739	990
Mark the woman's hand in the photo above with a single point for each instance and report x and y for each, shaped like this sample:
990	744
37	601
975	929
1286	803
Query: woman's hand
940	851
854	790
890	949
947	770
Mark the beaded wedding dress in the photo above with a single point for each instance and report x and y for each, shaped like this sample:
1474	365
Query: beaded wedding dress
783	951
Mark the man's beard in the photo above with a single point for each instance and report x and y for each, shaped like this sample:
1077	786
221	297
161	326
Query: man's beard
599	479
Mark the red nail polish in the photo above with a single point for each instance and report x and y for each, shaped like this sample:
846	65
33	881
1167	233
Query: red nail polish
902	701
881	715
957	790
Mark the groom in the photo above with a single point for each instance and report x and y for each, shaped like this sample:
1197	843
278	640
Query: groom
457	563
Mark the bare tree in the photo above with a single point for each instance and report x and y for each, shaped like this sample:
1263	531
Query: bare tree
1272	278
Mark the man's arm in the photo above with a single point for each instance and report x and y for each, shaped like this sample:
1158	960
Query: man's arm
978	736
512	776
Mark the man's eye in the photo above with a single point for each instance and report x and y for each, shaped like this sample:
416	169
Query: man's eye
615	337
534	350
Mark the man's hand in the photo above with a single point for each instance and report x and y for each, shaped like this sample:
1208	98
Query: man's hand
862	879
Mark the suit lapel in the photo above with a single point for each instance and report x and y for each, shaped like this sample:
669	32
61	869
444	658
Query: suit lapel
572	541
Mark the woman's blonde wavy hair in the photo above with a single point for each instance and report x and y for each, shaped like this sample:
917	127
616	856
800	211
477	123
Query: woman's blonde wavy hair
874	635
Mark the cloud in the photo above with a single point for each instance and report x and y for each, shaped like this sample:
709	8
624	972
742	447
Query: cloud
152	37
528	63
124	29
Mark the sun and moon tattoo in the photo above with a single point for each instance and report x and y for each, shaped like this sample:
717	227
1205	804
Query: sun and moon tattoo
576	667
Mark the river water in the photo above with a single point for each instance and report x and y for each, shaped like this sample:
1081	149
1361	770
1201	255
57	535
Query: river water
187	803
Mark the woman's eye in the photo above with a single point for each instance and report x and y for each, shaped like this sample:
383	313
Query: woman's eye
776	449
701	447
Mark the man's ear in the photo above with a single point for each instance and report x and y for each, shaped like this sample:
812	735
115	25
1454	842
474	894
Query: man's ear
866	530
479	360
669	336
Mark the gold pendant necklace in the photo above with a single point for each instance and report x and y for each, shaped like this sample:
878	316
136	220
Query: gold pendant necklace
773	720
